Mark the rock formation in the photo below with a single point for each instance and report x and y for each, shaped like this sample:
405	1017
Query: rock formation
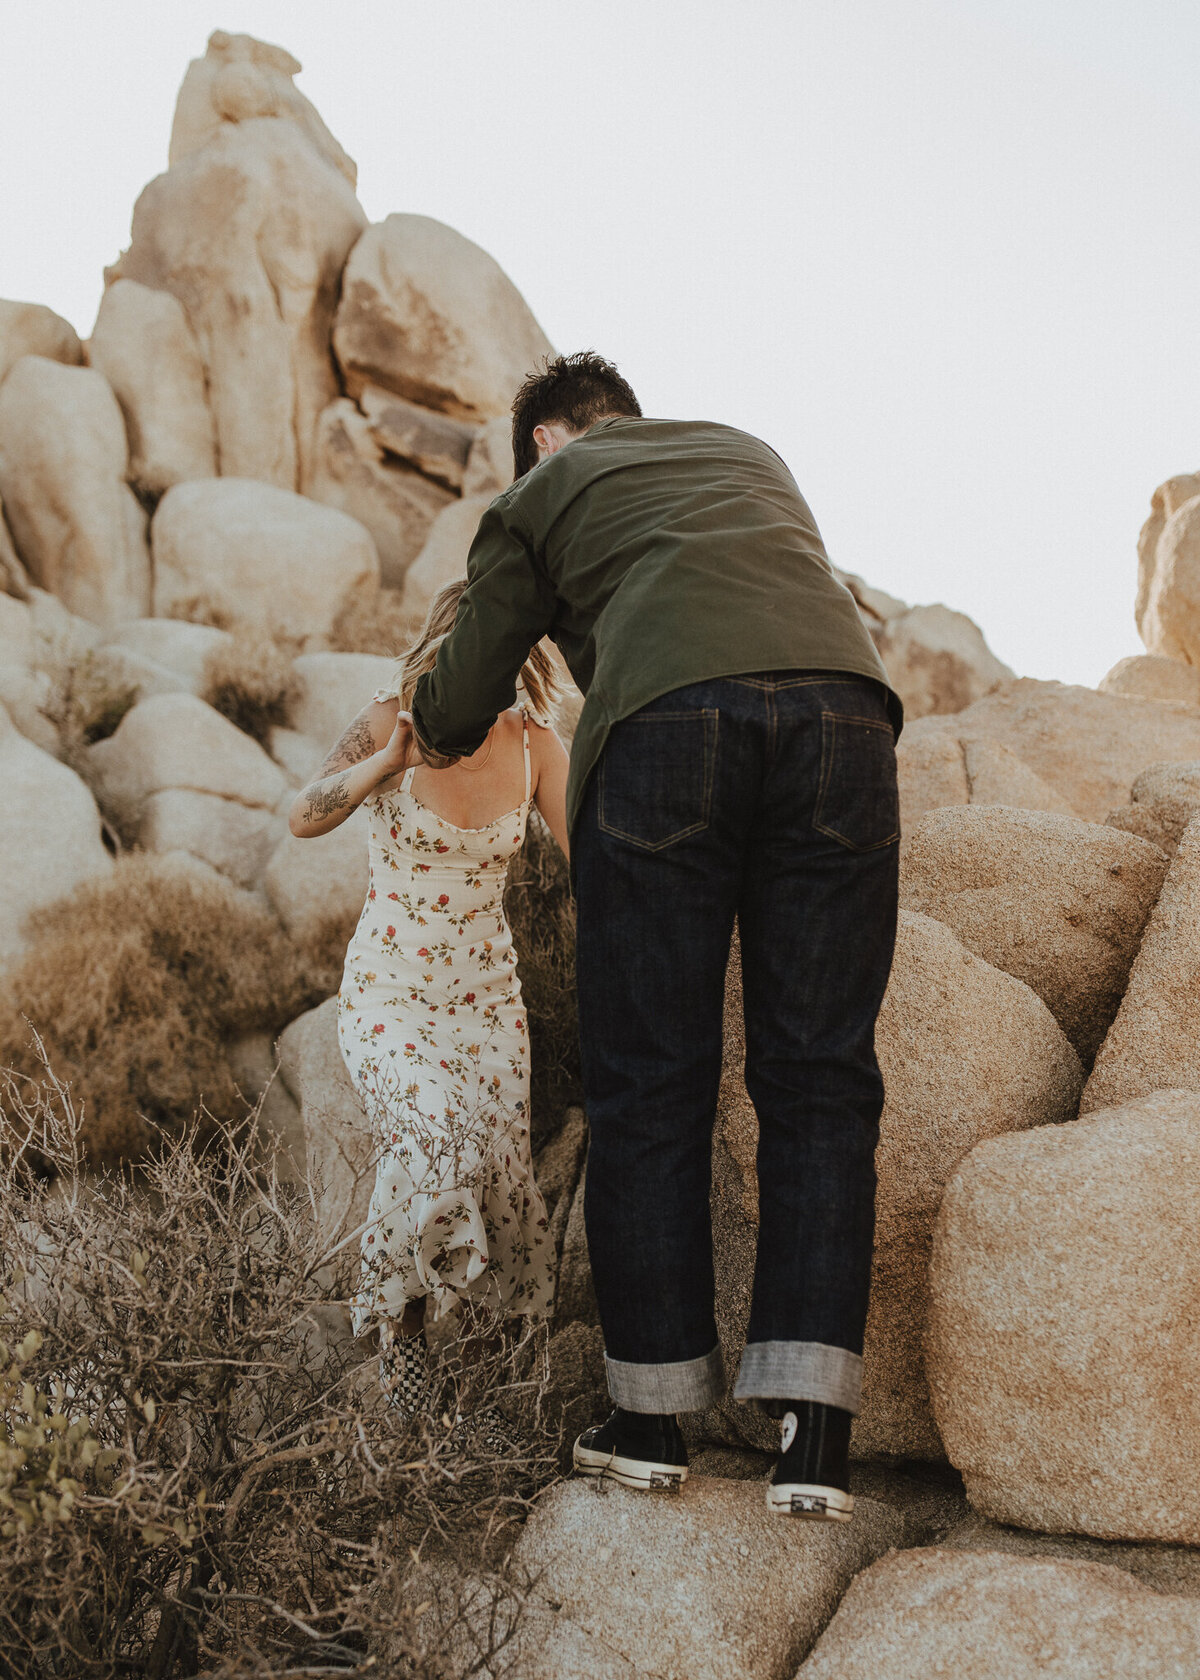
275	449
63	458
1062	1349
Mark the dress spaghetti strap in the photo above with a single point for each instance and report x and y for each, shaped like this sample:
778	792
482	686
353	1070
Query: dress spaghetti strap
528	761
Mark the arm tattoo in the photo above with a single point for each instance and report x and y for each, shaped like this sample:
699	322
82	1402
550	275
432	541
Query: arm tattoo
324	801
356	744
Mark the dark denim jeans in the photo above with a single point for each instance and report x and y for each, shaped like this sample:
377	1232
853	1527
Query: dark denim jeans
770	798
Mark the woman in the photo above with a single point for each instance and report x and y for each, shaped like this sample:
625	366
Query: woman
430	1018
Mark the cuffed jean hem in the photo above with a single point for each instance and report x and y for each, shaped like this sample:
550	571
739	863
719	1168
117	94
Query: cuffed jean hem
685	1385
799	1371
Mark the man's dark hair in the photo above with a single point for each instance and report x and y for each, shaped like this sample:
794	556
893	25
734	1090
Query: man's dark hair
576	391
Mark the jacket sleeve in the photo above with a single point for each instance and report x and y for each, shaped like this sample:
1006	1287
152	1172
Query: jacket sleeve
506	609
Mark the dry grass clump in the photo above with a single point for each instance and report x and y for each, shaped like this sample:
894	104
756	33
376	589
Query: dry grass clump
136	982
250	680
374	622
541	913
196	1476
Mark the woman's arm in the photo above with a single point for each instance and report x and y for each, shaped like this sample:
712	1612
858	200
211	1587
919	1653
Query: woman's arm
377	745
550	763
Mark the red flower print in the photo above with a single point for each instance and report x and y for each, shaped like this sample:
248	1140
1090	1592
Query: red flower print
371	894
444	899
378	1027
410	1047
391	933
395	897
470	998
424	951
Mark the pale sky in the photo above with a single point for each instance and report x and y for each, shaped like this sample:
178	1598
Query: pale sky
944	255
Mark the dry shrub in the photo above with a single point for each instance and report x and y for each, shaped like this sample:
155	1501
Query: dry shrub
250	681
196	1475
541	912
136	982
374	622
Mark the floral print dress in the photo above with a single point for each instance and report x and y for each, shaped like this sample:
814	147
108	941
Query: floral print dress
433	1031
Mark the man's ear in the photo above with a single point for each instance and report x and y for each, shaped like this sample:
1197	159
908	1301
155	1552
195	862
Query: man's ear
544	440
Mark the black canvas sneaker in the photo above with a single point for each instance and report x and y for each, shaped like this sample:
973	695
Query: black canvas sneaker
812	1473
637	1449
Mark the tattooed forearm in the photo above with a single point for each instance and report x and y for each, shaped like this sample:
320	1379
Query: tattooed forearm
324	801
355	745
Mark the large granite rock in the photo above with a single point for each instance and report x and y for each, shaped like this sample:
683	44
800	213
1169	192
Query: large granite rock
431	443
983	1616
938	661
1150	676
238	79
250	228
30	329
50	835
1154	1042
331	688
175	741
235	839
444	556
25	690
171	645
247	553
353	472
1162	802
1062	1346
318	886
1166	500
706	1584
340	1151
1058	903
427	314
1174	1570
143	346
967	1053
75	522
1086	749
1168	606
490	466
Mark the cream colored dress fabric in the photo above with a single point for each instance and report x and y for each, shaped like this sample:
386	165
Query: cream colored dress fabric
433	1031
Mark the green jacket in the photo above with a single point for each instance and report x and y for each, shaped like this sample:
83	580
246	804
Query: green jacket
654	553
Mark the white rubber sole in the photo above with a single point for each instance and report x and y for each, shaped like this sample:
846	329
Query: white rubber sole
805	1499
630	1472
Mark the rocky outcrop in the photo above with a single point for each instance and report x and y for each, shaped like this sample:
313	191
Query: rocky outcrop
1162	802
242	552
143	346
317	886
184	778
172	646
966	1053
707	1585
331	689
249	228
1154	1042
1062	1348
981	1616
50	835
1168	596
1058	903
490	464
30	329
1174	1570
433	444
427	314
444	556
76	524
937	660
1148	676
352	471
1086	748
237	80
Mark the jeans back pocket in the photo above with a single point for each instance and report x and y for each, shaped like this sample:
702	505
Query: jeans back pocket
858	803
656	777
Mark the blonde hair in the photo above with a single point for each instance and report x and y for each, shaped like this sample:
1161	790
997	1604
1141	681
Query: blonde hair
538	678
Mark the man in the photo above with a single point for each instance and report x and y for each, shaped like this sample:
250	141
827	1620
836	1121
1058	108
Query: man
735	758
